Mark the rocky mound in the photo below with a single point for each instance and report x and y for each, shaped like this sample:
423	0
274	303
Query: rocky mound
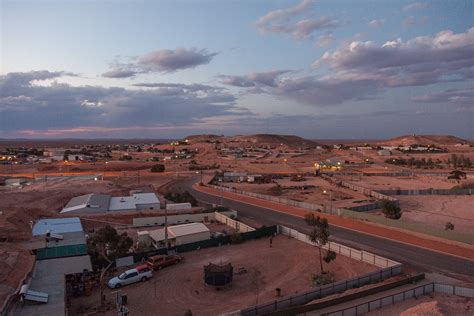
275	140
203	138
439	140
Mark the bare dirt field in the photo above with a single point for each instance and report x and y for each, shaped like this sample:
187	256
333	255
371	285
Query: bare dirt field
319	191
437	210
429	305
404	183
288	265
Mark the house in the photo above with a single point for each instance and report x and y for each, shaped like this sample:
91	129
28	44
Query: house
136	202
328	165
234	177
384	152
58	238
101	203
89	203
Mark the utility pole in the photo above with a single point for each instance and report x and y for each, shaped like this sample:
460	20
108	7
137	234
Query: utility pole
166	229
222	192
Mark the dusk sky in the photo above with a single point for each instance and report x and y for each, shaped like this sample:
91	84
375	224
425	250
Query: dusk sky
167	69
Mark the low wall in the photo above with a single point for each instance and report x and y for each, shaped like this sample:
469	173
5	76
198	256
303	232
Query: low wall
358	188
359	255
404	225
308	206
177	219
390	268
238	226
429	192
349	297
361	214
416	292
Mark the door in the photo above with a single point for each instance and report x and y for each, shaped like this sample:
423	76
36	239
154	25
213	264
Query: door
132	278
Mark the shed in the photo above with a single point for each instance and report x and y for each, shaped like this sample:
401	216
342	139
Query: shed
57	226
188	233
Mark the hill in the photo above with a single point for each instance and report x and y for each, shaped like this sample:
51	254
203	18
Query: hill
291	141
439	140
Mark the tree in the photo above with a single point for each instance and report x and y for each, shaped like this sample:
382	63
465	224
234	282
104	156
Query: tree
457	175
319	235
109	244
390	209
158	168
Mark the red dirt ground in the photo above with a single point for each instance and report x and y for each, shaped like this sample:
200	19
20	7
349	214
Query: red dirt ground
288	265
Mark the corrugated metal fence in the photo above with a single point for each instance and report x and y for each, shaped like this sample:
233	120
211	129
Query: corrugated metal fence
390	268
366	307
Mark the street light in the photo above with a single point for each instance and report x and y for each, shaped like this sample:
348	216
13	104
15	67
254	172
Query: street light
222	192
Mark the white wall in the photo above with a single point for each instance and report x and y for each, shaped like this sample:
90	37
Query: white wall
181	240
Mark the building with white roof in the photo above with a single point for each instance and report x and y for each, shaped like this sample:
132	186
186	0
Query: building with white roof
177	234
98	203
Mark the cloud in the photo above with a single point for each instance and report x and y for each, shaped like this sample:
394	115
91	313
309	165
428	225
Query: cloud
412	21
461	98
377	23
120	73
27	106
297	21
361	70
308	90
416	6
325	40
419	61
254	80
162	61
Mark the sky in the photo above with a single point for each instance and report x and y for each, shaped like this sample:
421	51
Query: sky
337	69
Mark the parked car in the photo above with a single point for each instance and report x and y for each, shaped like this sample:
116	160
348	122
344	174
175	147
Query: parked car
160	261
138	274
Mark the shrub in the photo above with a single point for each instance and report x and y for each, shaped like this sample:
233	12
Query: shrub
449	226
236	238
390	209
276	190
322	279
158	168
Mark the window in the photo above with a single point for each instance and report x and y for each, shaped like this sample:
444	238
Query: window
131	275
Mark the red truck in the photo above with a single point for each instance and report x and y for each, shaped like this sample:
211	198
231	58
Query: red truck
160	261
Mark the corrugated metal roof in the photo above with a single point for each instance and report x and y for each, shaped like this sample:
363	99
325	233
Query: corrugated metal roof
187	229
130	202
61	252
90	202
57	226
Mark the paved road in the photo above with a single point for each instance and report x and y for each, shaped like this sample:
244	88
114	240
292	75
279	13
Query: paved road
413	257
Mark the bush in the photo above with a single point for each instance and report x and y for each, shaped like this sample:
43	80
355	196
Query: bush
236	238
322	279
181	197
158	168
390	209
449	226
276	190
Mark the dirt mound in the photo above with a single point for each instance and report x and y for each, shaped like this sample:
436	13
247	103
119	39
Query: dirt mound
275	140
440	140
203	138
